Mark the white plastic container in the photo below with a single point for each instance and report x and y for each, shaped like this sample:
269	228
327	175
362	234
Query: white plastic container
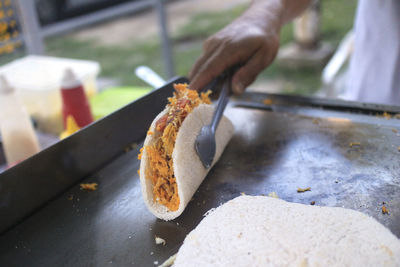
37	80
18	137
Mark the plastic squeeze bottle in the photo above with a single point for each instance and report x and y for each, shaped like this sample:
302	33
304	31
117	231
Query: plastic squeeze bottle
74	101
18	137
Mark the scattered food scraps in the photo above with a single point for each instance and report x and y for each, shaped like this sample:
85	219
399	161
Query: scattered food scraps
134	145
354	144
267	101
273	194
315	121
394	130
130	147
385	210
301	190
89	186
398	148
169	261
139	157
159	240
397	116
312	203
386	115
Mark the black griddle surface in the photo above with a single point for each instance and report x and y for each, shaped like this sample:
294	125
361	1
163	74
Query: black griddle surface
269	152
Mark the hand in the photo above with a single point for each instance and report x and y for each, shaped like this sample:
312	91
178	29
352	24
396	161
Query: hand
246	42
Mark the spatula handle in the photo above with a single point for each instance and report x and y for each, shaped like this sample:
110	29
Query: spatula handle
222	101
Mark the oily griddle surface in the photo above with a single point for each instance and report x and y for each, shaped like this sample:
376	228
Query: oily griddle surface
269	152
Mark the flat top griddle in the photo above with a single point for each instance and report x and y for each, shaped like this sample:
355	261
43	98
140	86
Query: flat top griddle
276	148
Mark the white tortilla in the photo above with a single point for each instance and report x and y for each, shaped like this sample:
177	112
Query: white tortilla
264	231
189	171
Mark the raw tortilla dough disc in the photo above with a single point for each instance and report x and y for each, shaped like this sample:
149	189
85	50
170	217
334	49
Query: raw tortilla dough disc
264	231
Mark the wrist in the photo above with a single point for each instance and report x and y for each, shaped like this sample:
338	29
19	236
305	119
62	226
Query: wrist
266	14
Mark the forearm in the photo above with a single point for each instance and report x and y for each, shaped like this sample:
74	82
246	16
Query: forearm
276	13
251	42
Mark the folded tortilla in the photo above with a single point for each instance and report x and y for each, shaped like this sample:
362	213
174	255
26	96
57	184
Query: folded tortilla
264	231
188	171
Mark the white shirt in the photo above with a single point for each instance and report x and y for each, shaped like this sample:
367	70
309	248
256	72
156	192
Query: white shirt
374	74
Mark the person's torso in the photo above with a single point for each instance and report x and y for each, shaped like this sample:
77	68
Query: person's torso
374	74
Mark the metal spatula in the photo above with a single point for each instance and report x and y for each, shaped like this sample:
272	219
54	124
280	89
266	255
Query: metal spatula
205	142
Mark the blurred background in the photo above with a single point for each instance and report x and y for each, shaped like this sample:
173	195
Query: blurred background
121	42
111	38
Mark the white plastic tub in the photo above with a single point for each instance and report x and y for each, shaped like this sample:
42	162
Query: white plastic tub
37	81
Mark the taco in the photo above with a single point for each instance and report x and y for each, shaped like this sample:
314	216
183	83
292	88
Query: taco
170	170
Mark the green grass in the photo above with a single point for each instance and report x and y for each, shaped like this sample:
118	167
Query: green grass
203	25
116	62
119	62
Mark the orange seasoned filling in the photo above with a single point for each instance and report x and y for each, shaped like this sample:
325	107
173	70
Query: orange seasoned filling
161	171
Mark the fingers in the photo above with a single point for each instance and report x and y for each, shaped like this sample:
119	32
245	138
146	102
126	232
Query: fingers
237	45
247	74
213	63
195	69
209	66
209	47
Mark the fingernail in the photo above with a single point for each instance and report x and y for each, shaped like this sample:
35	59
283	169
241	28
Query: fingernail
238	88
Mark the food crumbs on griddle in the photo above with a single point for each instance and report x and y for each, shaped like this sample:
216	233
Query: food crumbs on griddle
169	262
398	148
134	145
397	116
312	203
138	171
273	194
394	130
267	101
354	144
159	240
386	115
89	186
315	121
130	147
302	190
385	210
139	156
70	197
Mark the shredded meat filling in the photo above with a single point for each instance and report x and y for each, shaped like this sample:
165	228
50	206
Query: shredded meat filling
161	171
